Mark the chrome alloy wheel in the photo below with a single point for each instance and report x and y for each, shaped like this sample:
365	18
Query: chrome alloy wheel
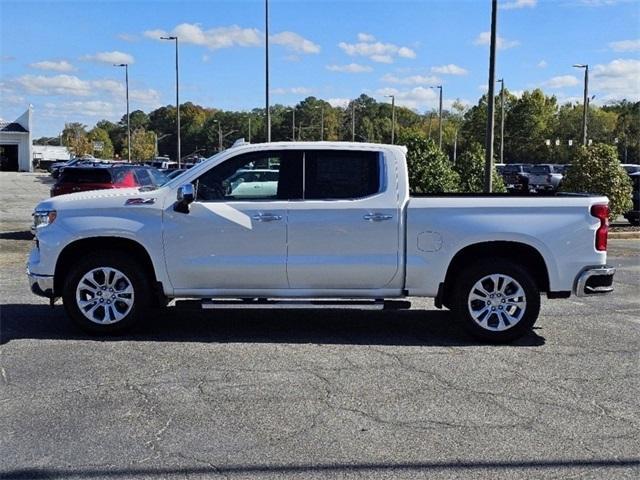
497	302
104	295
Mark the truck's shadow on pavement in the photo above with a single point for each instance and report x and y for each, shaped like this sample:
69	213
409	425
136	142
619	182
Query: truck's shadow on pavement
339	327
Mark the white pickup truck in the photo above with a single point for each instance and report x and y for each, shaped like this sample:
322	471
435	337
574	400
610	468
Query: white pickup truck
339	229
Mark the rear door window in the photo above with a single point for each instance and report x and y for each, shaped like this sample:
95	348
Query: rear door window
340	175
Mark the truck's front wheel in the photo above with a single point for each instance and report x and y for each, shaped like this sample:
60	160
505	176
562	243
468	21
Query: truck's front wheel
106	292
497	300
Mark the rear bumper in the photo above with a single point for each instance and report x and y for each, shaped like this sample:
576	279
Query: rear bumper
595	280
41	285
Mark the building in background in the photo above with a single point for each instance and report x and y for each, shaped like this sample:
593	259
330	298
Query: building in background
15	144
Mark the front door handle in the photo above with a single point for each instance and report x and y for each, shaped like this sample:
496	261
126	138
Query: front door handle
266	217
377	217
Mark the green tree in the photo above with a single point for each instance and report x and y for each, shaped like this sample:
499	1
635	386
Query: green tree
75	137
98	134
470	167
596	169
142	146
429	169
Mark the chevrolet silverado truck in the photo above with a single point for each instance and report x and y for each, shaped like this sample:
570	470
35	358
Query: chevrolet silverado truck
339	229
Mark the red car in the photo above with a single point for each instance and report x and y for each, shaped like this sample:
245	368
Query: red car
100	177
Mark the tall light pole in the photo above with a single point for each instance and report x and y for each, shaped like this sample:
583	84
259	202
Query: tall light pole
393	117
266	63
501	81
293	124
126	81
585	105
353	121
177	97
321	107
439	117
488	166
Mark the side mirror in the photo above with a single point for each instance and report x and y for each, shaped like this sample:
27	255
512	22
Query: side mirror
184	197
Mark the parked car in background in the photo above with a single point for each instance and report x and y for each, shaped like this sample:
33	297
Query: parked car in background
545	177
163	163
253	183
631	168
174	173
105	176
516	177
633	215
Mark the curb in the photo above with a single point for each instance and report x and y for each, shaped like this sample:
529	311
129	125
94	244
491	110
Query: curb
624	235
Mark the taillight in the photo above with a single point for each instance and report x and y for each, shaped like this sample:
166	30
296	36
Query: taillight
601	212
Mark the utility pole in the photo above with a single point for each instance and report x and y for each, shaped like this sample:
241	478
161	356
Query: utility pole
501	81
440	120
488	167
293	124
393	117
249	128
585	105
353	121
177	98
266	62
126	82
321	123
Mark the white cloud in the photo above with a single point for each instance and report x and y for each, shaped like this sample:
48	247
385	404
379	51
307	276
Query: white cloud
376	51
417	97
55	85
625	46
366	37
561	81
233	36
56	66
484	38
292	90
411	80
339	102
110	57
350	68
449	69
127	37
70	85
519	4
294	42
542	64
618	79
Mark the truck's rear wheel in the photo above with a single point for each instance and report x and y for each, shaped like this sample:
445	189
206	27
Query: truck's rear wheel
497	300
106	292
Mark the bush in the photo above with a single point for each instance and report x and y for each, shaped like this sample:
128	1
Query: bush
470	167
429	169
596	169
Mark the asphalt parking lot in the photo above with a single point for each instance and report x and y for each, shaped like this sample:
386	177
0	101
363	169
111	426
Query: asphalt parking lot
308	394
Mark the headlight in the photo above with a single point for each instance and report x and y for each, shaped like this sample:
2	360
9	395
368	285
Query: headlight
42	218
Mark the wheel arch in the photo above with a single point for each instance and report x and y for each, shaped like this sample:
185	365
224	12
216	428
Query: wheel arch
86	246
520	253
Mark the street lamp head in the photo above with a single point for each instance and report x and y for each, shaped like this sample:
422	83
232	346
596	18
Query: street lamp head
168	38
120	64
501	80
579	65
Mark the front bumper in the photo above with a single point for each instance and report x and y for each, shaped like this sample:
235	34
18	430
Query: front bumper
595	280
41	285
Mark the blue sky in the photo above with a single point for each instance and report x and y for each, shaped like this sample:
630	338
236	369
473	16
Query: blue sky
58	55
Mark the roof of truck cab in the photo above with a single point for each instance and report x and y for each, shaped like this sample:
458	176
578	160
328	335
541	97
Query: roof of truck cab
319	145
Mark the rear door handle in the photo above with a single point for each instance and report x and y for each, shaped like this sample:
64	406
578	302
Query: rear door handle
266	217
377	217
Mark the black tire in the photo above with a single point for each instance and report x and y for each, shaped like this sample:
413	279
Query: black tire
497	326
133	274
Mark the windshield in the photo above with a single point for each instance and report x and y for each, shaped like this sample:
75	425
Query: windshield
540	169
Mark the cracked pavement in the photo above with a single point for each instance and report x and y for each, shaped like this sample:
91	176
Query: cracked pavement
314	394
